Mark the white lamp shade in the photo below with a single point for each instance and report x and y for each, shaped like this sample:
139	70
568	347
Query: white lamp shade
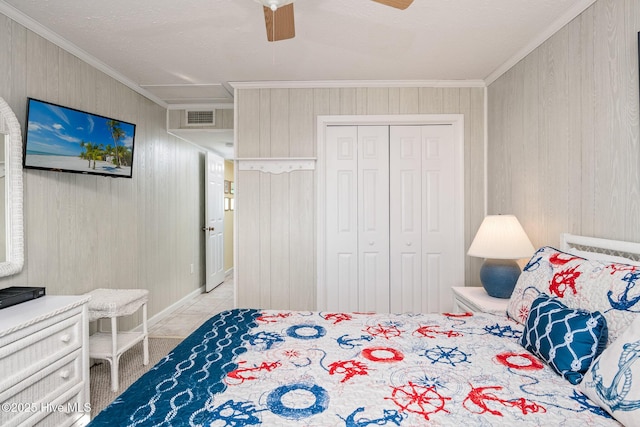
501	237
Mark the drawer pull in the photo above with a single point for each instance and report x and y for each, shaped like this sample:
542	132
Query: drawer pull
65	338
64	374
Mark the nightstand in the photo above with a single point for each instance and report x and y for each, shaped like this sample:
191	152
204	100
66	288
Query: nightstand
477	299
109	346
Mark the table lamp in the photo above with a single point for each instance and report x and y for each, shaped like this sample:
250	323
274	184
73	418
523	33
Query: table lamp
501	240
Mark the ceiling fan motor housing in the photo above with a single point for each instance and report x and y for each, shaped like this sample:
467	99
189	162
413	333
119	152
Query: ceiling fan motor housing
284	28
274	4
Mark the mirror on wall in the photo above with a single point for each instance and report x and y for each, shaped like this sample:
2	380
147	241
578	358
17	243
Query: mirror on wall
11	225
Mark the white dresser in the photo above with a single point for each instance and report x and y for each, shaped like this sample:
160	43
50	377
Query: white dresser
44	362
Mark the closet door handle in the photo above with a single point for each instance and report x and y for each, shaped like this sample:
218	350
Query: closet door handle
208	228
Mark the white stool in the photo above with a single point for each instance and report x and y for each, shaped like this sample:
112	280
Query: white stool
114	303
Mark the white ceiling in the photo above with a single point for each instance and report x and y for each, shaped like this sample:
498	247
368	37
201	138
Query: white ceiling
187	52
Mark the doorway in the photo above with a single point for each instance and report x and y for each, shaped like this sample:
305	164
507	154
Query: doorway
214	221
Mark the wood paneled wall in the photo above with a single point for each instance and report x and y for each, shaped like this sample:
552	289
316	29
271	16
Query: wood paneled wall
563	130
276	265
85	232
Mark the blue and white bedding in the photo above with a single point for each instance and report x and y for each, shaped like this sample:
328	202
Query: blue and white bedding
277	368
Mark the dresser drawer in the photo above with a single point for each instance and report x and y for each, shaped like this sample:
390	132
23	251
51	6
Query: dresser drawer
32	353
34	397
74	411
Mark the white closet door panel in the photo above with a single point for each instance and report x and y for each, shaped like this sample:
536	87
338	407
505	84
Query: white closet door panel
409	208
432	195
432	300
346	278
342	218
405	217
345	208
405	295
438	220
373	218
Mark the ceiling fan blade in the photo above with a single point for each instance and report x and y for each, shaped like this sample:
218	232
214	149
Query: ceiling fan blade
280	24
398	4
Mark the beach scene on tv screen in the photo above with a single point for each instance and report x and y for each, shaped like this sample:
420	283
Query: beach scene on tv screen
64	139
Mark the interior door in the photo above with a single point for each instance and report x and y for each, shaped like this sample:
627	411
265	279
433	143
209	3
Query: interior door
214	217
425	258
357	206
342	217
373	218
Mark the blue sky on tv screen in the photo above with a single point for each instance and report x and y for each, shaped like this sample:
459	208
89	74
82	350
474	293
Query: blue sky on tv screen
59	131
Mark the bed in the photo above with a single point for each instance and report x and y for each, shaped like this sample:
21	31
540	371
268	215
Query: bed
248	367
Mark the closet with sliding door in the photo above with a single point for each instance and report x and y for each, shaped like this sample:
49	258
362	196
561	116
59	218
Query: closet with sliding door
392	218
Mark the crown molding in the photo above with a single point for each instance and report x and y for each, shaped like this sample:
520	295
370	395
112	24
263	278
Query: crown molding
325	84
556	26
61	42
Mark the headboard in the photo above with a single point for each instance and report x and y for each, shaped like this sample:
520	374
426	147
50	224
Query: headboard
601	249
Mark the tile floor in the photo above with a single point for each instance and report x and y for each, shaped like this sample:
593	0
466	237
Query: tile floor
193	313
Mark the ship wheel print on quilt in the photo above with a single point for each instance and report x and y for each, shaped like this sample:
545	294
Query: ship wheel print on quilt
447	355
418	399
231	413
384	330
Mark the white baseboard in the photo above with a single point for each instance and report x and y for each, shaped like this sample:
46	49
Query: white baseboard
158	317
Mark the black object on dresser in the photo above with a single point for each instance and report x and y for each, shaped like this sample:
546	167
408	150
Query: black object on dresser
16	294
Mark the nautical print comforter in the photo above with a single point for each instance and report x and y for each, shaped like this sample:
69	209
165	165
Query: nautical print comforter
280	368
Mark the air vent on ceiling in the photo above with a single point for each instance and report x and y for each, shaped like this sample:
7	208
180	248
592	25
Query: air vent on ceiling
201	117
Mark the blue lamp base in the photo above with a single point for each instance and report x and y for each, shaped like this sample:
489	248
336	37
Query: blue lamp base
499	277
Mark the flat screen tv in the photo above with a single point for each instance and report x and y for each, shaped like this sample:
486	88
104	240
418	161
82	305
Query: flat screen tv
68	140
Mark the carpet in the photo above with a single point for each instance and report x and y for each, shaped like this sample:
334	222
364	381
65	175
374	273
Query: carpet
131	368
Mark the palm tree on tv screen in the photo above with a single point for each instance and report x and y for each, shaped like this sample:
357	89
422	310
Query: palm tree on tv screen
92	152
85	154
117	134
